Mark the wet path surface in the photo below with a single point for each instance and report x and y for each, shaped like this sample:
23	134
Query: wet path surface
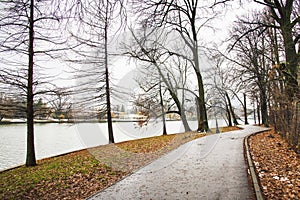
211	167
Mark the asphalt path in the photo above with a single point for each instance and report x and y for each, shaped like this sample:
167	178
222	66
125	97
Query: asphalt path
212	167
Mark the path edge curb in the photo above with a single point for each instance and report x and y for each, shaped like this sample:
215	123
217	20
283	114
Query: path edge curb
251	167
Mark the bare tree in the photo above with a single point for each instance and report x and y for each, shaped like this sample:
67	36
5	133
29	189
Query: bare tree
27	30
147	47
186	18
224	87
96	19
151	100
252	59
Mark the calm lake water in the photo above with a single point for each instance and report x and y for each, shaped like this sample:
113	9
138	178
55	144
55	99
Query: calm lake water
54	139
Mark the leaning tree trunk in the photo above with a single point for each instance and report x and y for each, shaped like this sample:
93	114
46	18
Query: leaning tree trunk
30	157
231	110
228	114
180	110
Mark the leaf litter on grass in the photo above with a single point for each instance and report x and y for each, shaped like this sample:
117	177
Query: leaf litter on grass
80	174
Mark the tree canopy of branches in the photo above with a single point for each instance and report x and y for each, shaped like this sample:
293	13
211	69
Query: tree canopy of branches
221	89
94	35
148	47
186	18
253	60
287	19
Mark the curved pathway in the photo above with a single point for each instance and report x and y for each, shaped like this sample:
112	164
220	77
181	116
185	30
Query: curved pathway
211	167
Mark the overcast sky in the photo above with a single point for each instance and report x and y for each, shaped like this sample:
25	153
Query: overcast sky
121	67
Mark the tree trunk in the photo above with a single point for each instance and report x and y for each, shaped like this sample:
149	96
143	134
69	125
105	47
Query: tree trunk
258	110
231	110
162	111
202	122
245	109
180	110
228	115
108	104
30	158
197	110
291	57
184	122
254	114
264	108
275	49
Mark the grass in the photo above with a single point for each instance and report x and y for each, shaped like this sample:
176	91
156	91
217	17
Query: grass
80	174
56	177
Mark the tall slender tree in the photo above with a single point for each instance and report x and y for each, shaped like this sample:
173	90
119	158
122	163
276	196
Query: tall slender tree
94	36
24	34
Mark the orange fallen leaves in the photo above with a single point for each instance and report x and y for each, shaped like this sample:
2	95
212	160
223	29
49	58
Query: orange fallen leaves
147	145
73	176
277	165
80	174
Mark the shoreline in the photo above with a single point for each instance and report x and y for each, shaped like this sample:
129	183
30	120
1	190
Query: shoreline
89	170
83	149
84	170
6	122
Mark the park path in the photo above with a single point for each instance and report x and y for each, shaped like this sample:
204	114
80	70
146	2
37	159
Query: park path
211	167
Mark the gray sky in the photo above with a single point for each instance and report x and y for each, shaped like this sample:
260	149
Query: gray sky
121	66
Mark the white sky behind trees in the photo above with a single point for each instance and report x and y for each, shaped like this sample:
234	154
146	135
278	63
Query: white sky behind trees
214	35
121	66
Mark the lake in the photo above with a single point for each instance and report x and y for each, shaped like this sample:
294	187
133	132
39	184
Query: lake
54	139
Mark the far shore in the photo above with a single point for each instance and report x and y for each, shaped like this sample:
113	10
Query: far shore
23	121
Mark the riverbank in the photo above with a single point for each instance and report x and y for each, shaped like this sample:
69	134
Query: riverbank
80	174
58	138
